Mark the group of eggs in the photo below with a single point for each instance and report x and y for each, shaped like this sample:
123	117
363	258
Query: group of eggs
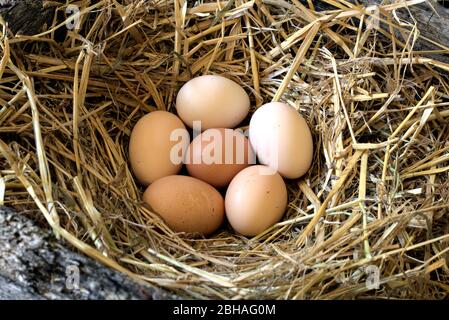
219	159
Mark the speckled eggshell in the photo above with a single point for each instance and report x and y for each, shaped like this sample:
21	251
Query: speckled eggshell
186	204
216	101
255	200
281	139
150	146
217	155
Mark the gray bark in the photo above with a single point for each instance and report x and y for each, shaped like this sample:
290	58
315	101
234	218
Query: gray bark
432	20
34	265
26	16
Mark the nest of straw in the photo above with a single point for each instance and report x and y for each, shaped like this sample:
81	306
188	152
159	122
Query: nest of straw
375	202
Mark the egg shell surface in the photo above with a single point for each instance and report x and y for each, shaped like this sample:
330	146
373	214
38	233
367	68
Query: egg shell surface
151	151
255	200
186	204
281	139
217	155
215	101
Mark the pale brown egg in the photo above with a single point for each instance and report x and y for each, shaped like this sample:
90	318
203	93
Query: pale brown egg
214	101
255	200
157	146
281	139
217	155
186	204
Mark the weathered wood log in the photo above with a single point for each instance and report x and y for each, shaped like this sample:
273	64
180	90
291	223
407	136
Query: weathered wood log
34	265
432	20
26	16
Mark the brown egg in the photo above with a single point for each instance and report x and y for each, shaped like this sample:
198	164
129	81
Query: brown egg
215	101
186	204
157	146
217	155
281	139
255	200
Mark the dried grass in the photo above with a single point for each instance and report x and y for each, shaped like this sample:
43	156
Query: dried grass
377	194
